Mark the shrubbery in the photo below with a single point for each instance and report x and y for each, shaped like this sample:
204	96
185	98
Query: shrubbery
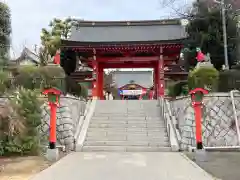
20	113
229	80
19	121
203	77
178	88
32	77
4	82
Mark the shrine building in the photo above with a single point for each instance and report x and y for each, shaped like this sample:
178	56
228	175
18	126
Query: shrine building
133	84
97	45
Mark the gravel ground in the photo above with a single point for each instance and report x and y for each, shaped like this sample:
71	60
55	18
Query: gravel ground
223	165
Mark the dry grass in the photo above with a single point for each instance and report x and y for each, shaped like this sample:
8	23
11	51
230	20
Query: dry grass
21	168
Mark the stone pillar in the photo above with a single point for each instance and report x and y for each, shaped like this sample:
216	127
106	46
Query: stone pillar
161	86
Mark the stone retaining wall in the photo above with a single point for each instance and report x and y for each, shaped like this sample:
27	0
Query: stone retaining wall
218	123
68	116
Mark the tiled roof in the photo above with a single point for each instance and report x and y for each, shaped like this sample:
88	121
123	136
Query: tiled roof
127	31
27	54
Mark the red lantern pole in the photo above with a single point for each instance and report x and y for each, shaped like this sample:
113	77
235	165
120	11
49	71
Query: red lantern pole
53	101
198	119
53	125
197	105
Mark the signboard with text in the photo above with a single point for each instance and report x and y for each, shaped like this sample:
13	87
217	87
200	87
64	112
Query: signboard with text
131	92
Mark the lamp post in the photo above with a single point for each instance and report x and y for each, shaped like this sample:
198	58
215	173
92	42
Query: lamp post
223	9
53	101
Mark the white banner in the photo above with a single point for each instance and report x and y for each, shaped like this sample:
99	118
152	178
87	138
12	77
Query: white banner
131	92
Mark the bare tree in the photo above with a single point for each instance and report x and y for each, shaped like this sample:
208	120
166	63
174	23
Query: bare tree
178	8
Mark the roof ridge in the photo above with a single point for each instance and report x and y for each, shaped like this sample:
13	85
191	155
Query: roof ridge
175	21
29	51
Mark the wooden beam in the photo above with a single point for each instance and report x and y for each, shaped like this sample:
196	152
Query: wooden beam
127	65
127	59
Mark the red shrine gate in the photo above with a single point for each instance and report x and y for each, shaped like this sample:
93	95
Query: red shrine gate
156	62
135	44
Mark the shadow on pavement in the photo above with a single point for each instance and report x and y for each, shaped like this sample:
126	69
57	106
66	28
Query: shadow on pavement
223	165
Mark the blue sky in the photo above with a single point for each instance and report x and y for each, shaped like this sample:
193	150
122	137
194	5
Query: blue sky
29	16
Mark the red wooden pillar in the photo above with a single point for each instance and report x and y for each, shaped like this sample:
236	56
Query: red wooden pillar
100	81
95	76
161	86
156	80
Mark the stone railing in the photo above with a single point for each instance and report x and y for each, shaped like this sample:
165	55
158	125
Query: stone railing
218	123
68	116
170	122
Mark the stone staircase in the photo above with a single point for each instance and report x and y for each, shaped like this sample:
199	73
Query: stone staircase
129	125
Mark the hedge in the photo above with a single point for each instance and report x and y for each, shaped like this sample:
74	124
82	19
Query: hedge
229	80
203	77
32	77
177	89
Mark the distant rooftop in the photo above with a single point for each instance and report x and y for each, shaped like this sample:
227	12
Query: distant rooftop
142	78
27	54
128	31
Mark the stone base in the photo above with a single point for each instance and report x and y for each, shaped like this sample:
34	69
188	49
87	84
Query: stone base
52	154
200	155
204	65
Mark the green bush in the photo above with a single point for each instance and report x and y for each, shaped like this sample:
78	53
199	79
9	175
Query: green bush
177	89
28	77
53	76
19	128
4	82
32	77
203	77
84	89
229	80
72	87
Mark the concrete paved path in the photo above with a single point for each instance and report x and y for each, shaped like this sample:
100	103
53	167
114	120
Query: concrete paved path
124	166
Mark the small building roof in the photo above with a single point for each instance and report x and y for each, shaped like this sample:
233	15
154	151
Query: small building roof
127	31
26	54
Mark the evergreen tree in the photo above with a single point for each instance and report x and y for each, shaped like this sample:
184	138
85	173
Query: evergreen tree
205	31
5	31
51	38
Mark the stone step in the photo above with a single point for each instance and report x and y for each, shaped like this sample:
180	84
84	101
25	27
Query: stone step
120	117
123	129
107	119
127	124
129	136
125	133
159	141
124	149
126	121
115	125
125	143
